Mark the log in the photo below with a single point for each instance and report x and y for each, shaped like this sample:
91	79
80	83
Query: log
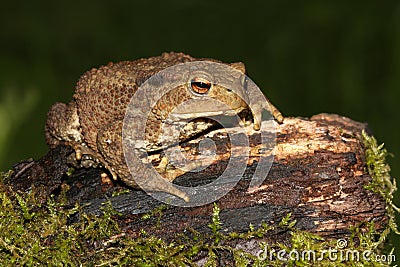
318	175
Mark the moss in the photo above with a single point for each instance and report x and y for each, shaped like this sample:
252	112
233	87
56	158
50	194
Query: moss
36	235
32	235
45	236
381	183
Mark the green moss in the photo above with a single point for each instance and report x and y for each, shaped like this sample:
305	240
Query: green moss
305	249
32	235
44	237
382	183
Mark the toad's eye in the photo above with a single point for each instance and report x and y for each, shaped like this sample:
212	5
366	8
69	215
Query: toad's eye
200	85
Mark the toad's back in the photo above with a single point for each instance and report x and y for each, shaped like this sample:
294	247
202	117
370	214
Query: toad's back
103	94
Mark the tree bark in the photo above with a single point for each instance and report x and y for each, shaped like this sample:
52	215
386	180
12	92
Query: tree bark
318	175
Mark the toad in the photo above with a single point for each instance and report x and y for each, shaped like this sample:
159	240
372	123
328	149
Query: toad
92	122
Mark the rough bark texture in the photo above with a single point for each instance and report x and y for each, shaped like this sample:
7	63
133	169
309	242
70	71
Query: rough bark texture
318	174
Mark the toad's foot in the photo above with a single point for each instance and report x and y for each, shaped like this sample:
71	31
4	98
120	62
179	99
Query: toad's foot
171	174
161	185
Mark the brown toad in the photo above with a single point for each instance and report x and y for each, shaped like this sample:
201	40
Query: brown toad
92	122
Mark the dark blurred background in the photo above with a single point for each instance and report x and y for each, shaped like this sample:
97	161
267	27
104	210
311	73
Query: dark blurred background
309	57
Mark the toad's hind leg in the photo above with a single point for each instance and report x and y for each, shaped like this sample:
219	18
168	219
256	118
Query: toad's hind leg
149	178
171	174
138	174
155	182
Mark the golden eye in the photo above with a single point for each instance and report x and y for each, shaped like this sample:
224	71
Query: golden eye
200	85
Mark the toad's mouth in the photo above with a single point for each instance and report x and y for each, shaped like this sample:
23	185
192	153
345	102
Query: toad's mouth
195	108
210	113
205	113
